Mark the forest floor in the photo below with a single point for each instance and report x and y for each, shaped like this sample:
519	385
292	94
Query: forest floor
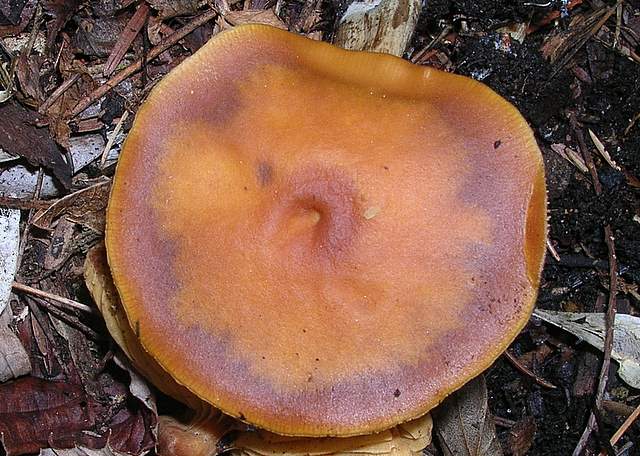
79	71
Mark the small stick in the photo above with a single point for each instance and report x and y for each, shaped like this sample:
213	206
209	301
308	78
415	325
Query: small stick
112	138
632	123
627	423
586	154
503	422
129	34
137	65
23	203
59	299
552	250
25	231
62	88
525	370
34	31
68	319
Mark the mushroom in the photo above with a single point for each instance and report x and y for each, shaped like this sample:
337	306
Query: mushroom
322	242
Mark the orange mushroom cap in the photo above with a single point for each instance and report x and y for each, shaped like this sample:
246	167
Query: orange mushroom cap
324	242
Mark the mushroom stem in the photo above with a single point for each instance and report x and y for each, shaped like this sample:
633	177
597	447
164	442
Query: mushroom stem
194	436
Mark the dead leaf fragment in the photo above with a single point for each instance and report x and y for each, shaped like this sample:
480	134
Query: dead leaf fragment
521	436
82	451
61	10
603	150
5	157
590	327
9	244
571	156
172	8
36	413
19	136
378	26
464	425
14	361
85	207
19	181
266	17
131	30
98	36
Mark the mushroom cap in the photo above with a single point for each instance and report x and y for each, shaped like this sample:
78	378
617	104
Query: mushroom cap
324	242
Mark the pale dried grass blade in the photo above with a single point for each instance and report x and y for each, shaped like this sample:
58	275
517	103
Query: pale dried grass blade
571	156
603	150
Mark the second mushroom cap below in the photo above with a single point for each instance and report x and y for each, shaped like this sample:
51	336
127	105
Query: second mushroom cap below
324	242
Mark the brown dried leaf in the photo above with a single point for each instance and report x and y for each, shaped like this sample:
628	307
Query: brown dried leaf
19	136
521	436
11	12
131	30
82	451
97	36
28	73
172	8
61	10
58	251
85	207
14	361
59	110
129	426
266	17
36	413
464	425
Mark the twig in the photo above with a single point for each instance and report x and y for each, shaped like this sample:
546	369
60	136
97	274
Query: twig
503	422
137	65
23	203
552	250
418	55
579	41
68	319
525	370
586	154
34	31
112	138
25	231
62	88
55	298
129	34
632	123
616	34
627	423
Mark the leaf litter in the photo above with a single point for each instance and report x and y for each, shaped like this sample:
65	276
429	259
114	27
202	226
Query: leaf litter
75	98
